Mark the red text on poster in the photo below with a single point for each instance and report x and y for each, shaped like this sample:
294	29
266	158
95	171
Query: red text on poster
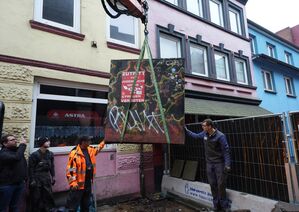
127	84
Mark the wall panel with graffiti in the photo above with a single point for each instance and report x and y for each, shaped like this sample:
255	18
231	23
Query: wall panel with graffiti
144	123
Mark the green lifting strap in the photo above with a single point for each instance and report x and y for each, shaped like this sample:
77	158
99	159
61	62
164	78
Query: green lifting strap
153	77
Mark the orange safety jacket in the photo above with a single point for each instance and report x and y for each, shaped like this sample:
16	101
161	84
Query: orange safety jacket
76	166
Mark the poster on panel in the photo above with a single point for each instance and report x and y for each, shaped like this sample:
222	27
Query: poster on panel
144	123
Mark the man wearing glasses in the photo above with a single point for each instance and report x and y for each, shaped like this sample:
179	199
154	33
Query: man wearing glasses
217	159
13	173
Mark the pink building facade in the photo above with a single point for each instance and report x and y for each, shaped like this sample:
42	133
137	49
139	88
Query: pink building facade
213	38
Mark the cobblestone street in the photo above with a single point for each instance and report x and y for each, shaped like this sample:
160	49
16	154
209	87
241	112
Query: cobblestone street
147	205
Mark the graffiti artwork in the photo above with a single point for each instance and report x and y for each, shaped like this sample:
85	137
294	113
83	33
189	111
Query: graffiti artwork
144	123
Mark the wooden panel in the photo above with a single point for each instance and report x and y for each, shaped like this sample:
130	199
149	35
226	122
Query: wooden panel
177	168
190	170
144	123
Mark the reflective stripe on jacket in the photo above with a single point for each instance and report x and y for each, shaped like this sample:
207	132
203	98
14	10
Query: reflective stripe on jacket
76	166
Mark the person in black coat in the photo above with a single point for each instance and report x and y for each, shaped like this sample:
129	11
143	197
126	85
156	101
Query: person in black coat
13	173
42	177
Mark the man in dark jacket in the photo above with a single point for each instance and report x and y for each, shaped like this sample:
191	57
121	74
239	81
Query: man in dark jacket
217	159
42	177
13	173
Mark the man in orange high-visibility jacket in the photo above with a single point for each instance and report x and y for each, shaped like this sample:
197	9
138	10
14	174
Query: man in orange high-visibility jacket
81	169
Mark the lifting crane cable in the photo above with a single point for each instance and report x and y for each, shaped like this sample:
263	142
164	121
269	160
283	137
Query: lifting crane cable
146	47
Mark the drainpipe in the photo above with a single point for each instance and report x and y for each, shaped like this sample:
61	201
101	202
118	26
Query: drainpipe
166	150
292	138
141	176
2	109
291	174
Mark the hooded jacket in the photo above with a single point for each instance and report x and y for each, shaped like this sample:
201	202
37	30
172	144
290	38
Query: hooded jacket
76	166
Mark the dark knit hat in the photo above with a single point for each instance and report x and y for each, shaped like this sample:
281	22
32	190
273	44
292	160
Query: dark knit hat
84	138
42	140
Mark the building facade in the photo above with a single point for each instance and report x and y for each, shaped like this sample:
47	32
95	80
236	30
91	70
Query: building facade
290	34
212	37
54	78
276	69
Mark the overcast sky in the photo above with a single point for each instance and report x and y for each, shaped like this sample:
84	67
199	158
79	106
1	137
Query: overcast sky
273	15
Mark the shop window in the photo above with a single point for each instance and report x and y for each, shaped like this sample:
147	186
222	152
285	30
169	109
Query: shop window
63	114
62	14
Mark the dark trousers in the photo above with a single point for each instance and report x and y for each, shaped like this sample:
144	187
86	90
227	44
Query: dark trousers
41	198
217	180
10	196
80	198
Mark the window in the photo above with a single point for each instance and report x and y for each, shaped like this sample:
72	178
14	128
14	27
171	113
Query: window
63	113
221	64
62	14
271	50
253	44
289	86
199	61
175	2
241	71
170	47
268	82
123	30
216	12
235	20
288	57
195	7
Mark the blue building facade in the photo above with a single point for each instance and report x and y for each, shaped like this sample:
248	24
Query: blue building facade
276	70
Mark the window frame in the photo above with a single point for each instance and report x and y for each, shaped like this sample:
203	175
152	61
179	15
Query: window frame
200	8
253	45
291	88
207	55
38	16
239	22
288	57
37	95
227	65
177	41
266	86
120	42
245	72
220	12
271	51
182	6
175	2
171	33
